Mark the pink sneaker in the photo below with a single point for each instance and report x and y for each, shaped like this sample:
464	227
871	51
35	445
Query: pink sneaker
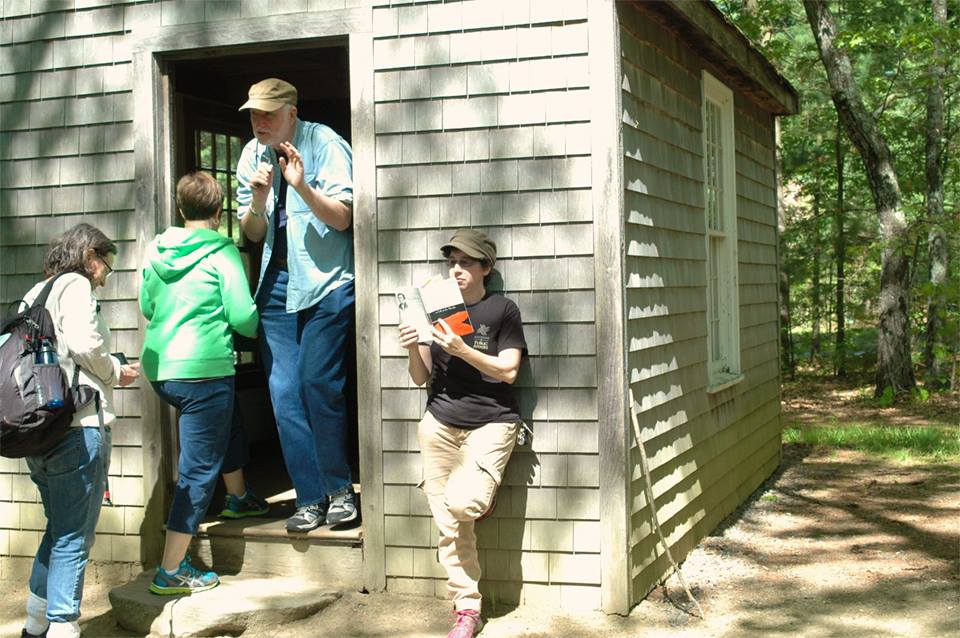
468	624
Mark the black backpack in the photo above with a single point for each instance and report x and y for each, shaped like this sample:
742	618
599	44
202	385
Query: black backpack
26	427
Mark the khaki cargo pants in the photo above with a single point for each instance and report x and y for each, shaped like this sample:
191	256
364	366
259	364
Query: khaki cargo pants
462	468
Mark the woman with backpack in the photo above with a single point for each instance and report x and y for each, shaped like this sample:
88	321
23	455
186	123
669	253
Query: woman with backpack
195	295
71	476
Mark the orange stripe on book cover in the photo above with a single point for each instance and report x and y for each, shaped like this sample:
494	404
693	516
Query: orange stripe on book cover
459	322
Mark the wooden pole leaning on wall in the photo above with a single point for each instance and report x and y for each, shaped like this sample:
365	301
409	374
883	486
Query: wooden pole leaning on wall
648	490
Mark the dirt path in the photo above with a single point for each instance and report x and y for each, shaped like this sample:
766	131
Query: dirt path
835	544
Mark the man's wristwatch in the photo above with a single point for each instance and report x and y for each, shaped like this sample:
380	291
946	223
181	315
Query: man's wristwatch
254	213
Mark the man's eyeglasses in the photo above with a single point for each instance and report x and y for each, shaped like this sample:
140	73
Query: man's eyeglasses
464	262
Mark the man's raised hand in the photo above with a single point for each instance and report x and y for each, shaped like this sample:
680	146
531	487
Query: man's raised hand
292	165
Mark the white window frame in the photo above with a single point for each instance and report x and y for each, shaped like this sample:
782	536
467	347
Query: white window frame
720	222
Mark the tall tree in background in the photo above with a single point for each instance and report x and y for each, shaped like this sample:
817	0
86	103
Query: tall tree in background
815	259
934	351
894	366
840	256
787	362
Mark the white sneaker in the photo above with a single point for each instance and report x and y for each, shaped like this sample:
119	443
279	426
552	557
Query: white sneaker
307	518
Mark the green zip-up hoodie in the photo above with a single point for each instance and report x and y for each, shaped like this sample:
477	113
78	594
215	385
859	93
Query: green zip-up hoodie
195	294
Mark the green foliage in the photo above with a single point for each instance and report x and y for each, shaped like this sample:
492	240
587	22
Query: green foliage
886	399
903	443
861	346
891	44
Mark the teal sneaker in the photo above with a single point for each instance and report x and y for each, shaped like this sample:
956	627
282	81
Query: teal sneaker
186	580
249	505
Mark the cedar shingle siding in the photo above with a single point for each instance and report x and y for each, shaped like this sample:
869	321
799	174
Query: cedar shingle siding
482	119
66	155
707	451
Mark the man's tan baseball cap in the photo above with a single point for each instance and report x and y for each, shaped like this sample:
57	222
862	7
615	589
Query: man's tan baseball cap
270	94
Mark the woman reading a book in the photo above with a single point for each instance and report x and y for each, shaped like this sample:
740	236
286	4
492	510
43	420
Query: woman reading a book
472	418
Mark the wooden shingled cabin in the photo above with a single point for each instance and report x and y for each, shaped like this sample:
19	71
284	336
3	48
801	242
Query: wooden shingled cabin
621	154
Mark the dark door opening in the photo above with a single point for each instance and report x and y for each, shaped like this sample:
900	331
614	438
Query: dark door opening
209	134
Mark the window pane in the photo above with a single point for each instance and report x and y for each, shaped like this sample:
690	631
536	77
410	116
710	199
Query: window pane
206	149
236	147
714	177
221	152
716	245
235	231
231	193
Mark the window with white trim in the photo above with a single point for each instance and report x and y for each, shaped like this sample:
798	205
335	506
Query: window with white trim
720	203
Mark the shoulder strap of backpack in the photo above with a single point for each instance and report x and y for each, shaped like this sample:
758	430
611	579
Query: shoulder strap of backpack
41	299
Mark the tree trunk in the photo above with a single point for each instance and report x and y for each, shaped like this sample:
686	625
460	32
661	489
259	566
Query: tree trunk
815	285
786	337
933	351
840	254
894	367
787	363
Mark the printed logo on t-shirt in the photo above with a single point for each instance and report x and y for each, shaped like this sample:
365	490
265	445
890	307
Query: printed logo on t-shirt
481	340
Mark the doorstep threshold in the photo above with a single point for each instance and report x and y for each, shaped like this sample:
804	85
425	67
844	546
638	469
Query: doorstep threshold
275	529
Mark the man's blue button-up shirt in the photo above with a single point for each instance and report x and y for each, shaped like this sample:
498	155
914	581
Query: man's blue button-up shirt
319	258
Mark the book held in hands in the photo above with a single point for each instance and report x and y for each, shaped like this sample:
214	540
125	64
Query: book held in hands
424	306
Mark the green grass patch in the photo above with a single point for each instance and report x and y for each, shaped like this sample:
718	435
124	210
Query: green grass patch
900	443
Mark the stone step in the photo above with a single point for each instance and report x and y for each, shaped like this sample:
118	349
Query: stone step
242	604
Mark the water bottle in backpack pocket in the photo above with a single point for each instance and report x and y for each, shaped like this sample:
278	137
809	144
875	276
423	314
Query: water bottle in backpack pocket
49	378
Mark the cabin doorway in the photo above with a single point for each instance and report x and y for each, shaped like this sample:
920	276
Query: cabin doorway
209	133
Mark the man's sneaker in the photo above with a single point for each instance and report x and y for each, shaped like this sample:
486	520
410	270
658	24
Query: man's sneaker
343	508
186	580
307	518
468	624
249	505
26	634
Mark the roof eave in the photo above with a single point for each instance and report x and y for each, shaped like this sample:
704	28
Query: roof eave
734	56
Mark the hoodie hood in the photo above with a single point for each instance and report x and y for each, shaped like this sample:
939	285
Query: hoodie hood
178	250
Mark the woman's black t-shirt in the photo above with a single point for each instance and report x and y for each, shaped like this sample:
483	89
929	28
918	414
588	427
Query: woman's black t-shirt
461	395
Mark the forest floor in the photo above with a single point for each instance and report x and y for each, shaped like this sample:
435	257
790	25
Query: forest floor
824	401
836	543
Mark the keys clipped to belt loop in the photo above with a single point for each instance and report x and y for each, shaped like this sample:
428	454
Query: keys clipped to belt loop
524	434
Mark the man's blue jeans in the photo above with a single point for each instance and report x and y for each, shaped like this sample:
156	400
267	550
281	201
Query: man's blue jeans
71	478
212	441
305	358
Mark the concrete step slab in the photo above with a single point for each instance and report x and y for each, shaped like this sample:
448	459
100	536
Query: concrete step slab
334	566
240	605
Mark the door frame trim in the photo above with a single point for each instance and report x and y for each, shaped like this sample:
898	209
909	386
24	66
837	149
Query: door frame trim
154	202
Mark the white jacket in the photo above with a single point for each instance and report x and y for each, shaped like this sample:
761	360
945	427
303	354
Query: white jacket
83	339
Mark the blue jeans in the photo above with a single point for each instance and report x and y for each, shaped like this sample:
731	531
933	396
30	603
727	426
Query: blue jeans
71	478
212	441
305	355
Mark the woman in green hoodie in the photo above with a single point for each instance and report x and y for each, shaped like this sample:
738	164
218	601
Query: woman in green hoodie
195	295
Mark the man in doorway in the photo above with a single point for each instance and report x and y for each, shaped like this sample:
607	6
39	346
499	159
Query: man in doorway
296	192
